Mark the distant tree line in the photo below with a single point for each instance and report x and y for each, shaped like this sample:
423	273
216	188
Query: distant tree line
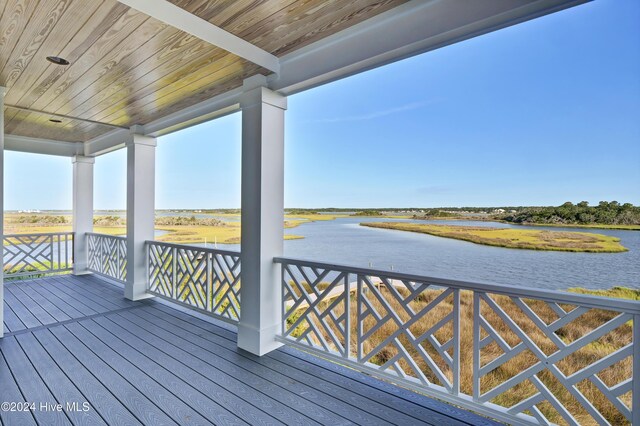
605	213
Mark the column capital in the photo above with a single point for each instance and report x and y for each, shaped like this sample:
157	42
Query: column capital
82	159
140	139
262	95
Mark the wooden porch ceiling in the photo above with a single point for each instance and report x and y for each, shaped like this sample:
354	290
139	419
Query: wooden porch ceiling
127	68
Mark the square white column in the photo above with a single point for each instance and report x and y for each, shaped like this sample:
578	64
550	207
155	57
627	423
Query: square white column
82	210
2	91
141	164
262	238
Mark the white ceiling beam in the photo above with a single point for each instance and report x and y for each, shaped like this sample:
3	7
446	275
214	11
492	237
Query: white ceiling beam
179	18
106	143
216	107
404	31
42	146
407	30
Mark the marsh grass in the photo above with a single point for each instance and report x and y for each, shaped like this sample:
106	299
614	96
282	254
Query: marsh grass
514	238
581	326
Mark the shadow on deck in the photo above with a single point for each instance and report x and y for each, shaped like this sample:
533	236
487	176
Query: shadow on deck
77	342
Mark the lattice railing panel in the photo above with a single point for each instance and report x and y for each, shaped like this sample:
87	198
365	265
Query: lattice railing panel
409	329
203	279
560	363
523	356
32	254
316	308
107	255
401	328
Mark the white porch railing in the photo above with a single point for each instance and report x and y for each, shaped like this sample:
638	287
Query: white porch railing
107	255
203	279
520	355
35	254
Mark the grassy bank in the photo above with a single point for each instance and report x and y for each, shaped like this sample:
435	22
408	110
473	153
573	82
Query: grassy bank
514	238
607	344
229	233
180	229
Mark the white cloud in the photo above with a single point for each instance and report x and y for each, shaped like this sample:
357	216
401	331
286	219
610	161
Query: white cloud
375	114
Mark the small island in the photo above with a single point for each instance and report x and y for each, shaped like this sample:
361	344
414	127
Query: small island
514	238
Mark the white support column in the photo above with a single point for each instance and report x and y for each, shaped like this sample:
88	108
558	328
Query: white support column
262	218
141	164
2	90
82	210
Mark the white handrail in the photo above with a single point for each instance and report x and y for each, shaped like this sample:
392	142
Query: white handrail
425	332
619	305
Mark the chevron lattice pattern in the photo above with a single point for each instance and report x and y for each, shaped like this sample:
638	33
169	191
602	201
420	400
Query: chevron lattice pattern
202	278
30	254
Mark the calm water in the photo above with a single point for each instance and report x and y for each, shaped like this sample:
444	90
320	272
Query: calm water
344	241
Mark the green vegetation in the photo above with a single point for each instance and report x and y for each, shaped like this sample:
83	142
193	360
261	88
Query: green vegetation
514	238
373	213
294	212
605	214
437	214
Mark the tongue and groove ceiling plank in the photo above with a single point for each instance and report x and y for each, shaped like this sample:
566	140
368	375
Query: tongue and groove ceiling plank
128	68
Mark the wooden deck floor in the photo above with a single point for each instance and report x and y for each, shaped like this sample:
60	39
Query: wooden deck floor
77	340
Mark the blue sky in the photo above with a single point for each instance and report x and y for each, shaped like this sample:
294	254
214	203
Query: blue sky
537	114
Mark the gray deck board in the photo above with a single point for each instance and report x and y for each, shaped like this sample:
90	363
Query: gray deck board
11	320
77	339
97	394
57	382
320	393
9	391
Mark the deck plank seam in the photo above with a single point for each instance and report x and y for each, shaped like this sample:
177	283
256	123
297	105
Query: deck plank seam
53	284
55	299
49	306
20	344
256	390
72	320
41	379
265	367
171	416
90	371
15	380
167	310
151	361
193	369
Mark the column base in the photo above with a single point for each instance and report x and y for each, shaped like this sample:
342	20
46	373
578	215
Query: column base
82	270
136	292
258	342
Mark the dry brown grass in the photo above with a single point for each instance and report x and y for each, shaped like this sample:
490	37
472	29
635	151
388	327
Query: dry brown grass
587	355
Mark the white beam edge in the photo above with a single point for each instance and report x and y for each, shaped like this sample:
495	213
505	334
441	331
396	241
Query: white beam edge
106	143
216	107
404	31
179	18
42	146
348	52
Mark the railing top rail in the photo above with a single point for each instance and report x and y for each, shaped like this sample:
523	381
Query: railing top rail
598	302
203	249
38	234
97	234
